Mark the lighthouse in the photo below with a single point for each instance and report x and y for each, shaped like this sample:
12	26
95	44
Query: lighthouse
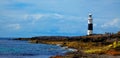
90	25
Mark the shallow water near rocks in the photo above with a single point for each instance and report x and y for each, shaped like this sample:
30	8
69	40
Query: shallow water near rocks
24	49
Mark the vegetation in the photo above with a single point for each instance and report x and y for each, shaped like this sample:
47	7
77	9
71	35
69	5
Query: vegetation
107	43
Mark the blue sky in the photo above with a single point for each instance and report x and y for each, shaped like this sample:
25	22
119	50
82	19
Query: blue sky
27	18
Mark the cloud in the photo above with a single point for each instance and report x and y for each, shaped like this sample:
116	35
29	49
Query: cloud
58	15
56	22
34	16
52	17
14	26
112	23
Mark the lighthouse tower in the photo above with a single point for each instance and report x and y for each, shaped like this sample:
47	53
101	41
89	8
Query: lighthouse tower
90	25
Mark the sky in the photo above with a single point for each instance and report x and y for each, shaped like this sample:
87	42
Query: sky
29	18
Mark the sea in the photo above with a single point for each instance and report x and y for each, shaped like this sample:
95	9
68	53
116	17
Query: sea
24	49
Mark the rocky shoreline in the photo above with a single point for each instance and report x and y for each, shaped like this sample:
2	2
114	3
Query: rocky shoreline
94	46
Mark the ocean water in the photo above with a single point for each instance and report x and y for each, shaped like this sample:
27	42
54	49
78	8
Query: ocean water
24	49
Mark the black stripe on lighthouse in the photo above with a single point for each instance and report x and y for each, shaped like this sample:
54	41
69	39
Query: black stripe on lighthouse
90	26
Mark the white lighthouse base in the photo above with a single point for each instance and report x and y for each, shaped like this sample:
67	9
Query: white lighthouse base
90	32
